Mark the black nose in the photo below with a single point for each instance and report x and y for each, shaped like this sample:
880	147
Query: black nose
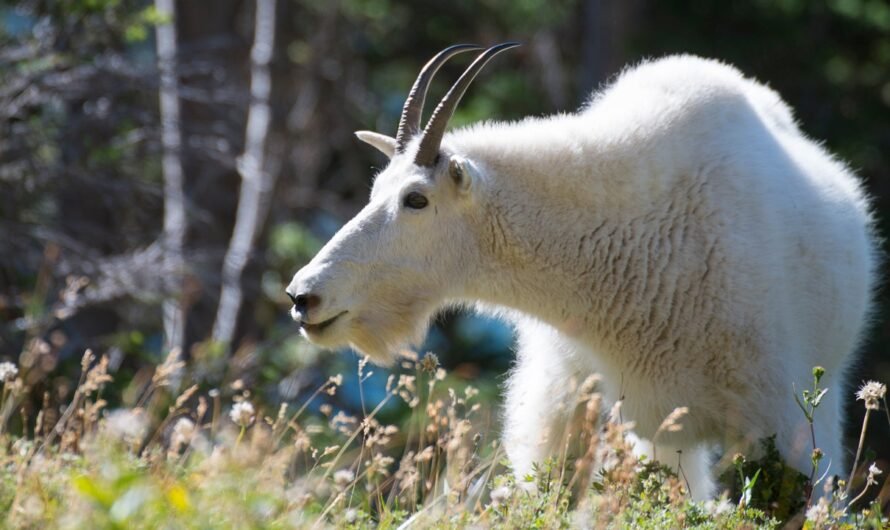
303	302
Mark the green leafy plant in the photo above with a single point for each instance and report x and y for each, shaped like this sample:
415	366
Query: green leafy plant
811	399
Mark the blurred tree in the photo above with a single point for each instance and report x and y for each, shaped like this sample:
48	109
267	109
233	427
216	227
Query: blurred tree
171	164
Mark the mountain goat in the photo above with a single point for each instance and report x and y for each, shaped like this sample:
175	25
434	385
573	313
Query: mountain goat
679	235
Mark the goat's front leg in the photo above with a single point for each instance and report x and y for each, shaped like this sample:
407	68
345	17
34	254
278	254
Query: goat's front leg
540	402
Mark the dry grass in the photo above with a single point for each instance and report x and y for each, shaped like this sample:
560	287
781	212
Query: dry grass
193	459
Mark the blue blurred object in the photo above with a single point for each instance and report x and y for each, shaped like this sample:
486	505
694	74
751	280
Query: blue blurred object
15	23
324	226
489	336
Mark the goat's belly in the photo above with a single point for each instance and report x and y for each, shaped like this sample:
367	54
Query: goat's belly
708	378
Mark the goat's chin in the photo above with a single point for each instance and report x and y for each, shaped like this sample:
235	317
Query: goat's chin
325	339
381	338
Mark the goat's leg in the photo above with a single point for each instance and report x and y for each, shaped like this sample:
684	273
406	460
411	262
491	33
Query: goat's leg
540	403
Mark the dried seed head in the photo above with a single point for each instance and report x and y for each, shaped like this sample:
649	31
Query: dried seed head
672	422
426	455
185	396
97	376
429	363
871	393
171	366
202	408
86	360
589	384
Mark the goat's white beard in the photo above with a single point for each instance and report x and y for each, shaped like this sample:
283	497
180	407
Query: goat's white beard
383	340
381	332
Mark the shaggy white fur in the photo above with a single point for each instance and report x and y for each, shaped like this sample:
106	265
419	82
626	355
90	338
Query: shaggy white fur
679	236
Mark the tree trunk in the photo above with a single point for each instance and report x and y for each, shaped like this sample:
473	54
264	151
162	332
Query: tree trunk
171	164
257	177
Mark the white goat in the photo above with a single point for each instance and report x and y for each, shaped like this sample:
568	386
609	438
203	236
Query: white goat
679	236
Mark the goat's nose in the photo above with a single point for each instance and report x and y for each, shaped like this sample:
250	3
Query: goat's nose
303	302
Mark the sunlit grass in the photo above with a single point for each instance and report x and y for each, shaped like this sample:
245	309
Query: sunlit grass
189	459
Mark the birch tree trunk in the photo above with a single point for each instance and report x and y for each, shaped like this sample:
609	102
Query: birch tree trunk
171	165
257	177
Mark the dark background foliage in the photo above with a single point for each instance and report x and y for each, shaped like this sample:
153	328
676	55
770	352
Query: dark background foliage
81	184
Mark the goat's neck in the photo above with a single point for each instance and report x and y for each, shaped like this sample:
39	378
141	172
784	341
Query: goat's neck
558	245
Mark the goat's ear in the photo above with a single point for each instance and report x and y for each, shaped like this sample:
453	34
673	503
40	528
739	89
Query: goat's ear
385	144
461	172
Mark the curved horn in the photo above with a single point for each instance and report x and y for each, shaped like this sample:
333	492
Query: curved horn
409	124
435	128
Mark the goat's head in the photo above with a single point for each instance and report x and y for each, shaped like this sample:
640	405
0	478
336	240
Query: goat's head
378	281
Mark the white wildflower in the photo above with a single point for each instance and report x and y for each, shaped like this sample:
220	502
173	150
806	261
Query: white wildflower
242	413
183	431
818	513
129	425
718	507
873	471
8	371
499	495
343	477
298	493
871	392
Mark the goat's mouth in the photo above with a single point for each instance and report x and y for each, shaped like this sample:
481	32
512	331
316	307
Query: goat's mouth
319	327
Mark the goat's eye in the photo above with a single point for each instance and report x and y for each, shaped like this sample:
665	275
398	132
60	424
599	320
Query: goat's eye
415	201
